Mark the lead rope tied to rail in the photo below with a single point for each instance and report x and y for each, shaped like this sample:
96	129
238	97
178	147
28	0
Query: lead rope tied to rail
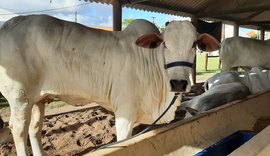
146	129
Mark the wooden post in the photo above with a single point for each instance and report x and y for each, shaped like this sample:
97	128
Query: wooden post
236	29
206	61
262	30
194	21
222	38
223	32
117	15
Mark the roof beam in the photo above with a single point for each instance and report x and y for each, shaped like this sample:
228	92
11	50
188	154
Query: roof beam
207	5
252	15
223	18
234	11
256	23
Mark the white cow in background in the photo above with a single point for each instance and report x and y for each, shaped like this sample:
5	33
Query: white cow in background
244	52
42	57
257	79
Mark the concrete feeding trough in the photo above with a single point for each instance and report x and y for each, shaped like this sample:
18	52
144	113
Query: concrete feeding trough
188	137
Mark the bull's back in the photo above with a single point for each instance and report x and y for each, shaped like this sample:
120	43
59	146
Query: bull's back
27	36
42	52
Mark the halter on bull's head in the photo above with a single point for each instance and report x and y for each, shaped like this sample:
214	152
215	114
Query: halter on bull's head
178	42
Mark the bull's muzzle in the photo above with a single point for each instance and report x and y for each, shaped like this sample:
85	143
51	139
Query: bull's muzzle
178	85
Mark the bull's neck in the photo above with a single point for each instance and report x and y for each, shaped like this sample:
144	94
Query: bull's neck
163	93
157	74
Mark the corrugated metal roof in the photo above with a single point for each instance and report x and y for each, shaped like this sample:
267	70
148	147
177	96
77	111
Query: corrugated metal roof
102	1
243	12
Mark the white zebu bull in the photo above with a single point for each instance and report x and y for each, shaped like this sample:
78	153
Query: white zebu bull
42	57
244	52
257	79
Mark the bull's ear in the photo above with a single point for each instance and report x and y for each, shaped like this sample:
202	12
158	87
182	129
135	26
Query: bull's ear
208	43
151	40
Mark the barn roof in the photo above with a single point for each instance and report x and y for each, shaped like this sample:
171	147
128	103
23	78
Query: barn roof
243	12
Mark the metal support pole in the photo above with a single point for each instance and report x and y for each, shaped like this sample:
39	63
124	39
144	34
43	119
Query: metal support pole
117	15
236	29
222	39
194	21
262	30
223	32
206	61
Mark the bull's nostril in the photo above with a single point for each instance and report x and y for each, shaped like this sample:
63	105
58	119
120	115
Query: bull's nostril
178	85
184	84
173	83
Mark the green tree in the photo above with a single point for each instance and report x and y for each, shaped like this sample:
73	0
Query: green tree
161	29
126	22
254	36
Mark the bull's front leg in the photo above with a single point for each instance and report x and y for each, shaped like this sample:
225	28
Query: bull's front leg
125	116
20	108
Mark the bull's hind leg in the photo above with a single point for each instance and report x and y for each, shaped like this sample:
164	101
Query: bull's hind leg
20	107
36	127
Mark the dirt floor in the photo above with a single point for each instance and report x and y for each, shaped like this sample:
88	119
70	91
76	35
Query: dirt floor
77	132
73	133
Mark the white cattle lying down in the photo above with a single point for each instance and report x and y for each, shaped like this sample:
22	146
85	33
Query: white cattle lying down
214	97
257	79
42	57
244	52
228	86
